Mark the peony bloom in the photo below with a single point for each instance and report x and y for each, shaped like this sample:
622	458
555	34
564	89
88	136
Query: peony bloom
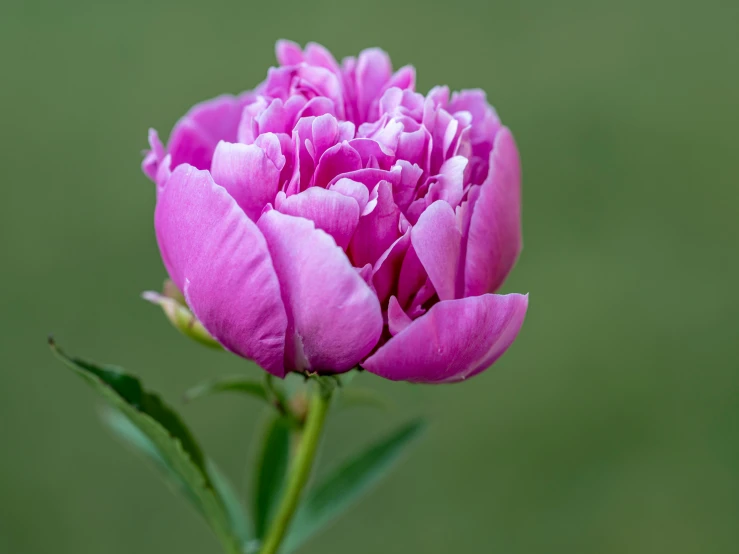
334	217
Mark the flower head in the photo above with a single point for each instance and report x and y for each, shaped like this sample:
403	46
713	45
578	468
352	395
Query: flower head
334	217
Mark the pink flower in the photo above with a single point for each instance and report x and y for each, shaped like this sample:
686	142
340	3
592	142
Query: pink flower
334	217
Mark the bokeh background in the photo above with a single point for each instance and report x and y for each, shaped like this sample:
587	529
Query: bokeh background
611	426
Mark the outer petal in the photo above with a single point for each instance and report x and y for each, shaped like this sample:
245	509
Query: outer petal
220	260
455	340
248	174
437	242
494	240
154	156
331	211
164	171
334	318
195	136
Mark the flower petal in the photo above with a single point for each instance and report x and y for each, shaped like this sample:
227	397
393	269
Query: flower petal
288	52
154	156
372	73
404	193
318	106
411	278
454	340
404	78
485	122
312	81
397	319
369	148
450	183
378	229
334	318
279	117
365	272
220	260
195	136
248	174
369	177
387	267
164	171
352	189
424	295
316	54
494	240
331	211
337	160
437	242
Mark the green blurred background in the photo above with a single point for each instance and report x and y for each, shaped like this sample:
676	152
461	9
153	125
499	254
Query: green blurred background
612	424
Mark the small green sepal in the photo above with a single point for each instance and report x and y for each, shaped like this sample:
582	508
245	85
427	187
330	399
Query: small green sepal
173	304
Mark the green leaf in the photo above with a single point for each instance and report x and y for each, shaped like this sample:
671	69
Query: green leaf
134	437
153	427
278	393
269	391
270	472
349	376
340	489
130	434
234	383
357	398
237	514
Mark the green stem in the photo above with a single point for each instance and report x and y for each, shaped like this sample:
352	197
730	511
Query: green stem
300	469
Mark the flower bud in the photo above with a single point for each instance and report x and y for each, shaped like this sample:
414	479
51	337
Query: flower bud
172	302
